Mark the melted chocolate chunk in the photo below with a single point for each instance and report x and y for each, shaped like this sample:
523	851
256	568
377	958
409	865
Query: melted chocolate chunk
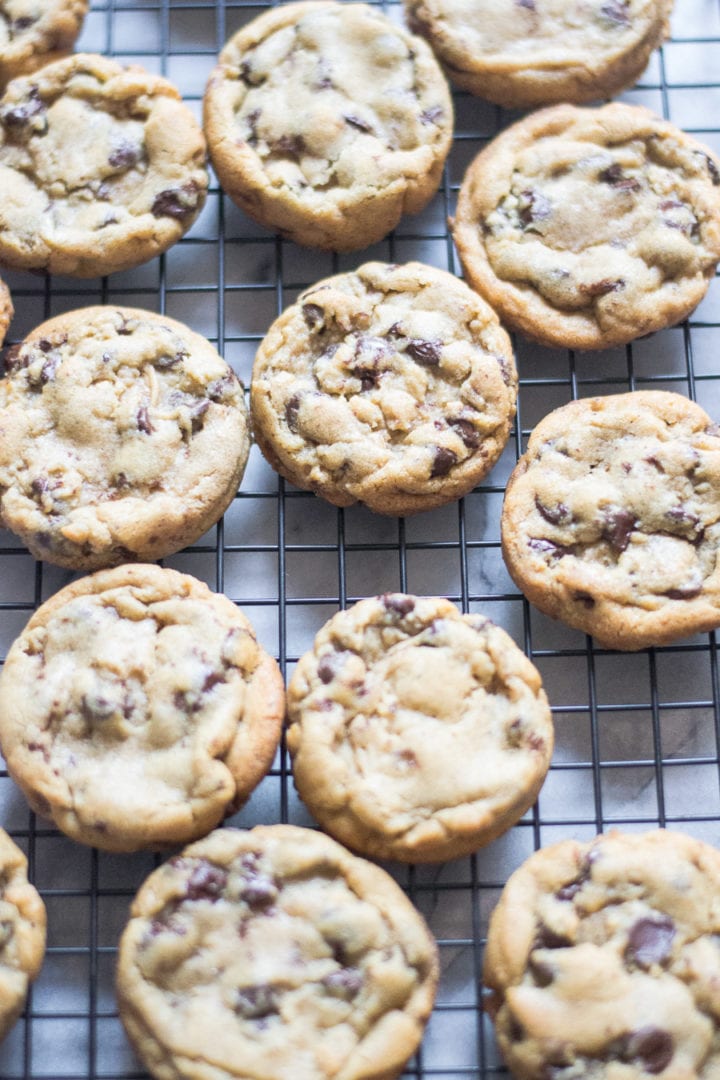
650	1047
291	411
426	353
443	461
21	115
291	145
124	155
220	389
601	288
313	315
397	602
197	416
206	882
256	1002
171	360
345	983
176	202
23	23
615	176
142	418
650	941
14	359
467	432
711	167
327	668
549	939
533	206
212	679
432	115
259	891
585	599
556	515
357	122
547	547
618	526
367	376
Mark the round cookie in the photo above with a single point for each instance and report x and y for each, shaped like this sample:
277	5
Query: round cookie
137	709
587	228
274	953
326	122
393	386
417	733
22	932
124	436
611	519
37	32
603	960
523	53
133	184
6	310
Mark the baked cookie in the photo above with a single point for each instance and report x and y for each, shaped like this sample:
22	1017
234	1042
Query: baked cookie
137	709
37	32
417	733
603	960
274	953
6	310
326	122
393	386
525	53
587	228
101	168
124	436
22	932
611	519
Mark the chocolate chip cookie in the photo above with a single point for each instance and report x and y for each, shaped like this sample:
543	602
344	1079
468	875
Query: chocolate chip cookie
603	960
525	53
123	435
393	386
611	519
37	32
101	167
417	733
137	709
587	228
326	122
22	932
6	309
274	953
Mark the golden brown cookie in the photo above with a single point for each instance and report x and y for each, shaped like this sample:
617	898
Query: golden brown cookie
588	228
417	733
102	167
611	519
137	709
525	53
124	436
22	932
274	953
37	32
326	122
393	386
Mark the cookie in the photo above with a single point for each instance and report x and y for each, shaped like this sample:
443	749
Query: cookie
22	932
523	53
6	309
587	228
37	32
137	709
326	122
101	167
416	733
124	436
393	386
611	519
603	960
274	953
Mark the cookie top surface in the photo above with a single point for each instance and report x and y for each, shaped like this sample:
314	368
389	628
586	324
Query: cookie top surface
22	932
417	733
393	386
603	960
133	184
6	310
523	53
587	228
36	32
124	436
322	113
274	953
138	708
611	519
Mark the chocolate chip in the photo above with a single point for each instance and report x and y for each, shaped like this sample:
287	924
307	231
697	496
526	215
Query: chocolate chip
221	389
15	359
251	120
549	939
206	882
367	376
291	145
248	76
556	515
650	1047
711	167
443	461
142	418
357	122
601	288
313	315
615	176
686	592
585	599
170	360
197	416
213	678
426	353
616	11
617	528
176	202
23	23
650	941
467	432
39	485
345	984
124	155
528	4
398	602
292	409
533	206
21	115
49	368
259	891
547	547
256	1002
327	668
505	370
432	115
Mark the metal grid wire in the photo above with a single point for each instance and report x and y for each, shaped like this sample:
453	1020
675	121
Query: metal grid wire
638	735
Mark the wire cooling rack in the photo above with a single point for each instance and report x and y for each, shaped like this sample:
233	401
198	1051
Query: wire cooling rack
637	735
